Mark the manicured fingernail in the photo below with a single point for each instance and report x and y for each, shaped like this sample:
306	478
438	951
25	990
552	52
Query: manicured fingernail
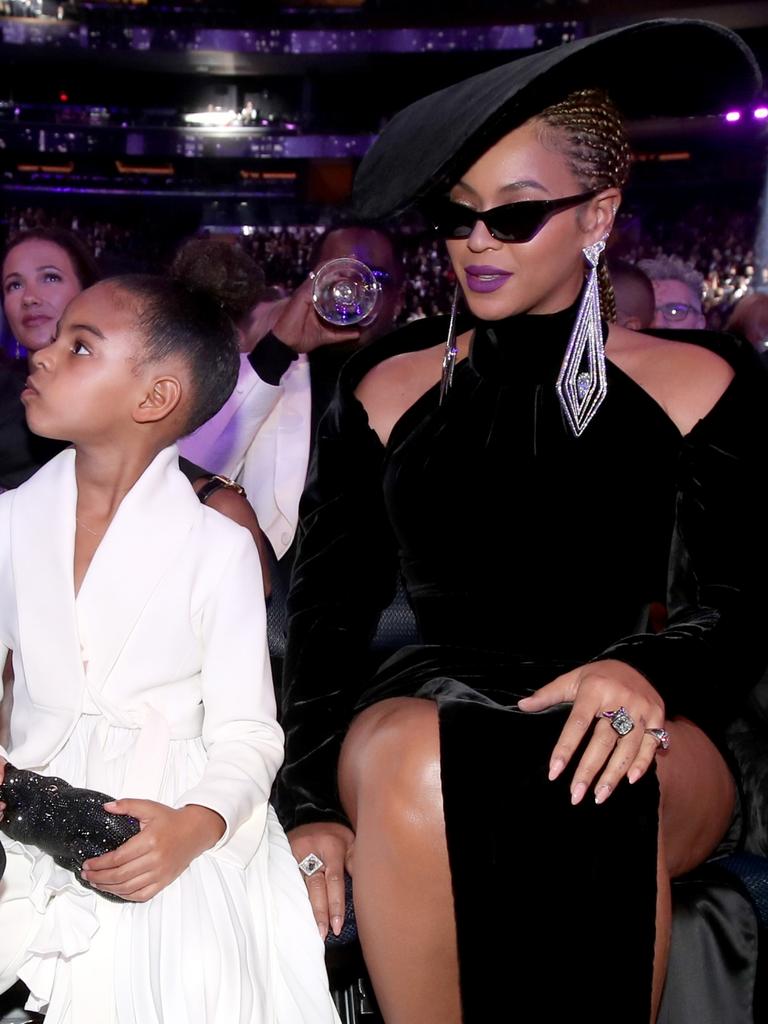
323	929
602	794
555	768
336	923
634	775
578	792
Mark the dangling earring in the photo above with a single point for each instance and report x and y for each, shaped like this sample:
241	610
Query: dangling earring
449	356
582	385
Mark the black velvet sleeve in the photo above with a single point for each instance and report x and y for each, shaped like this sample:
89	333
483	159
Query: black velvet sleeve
344	575
714	646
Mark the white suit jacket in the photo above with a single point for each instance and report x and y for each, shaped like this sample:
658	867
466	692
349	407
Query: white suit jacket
261	437
166	636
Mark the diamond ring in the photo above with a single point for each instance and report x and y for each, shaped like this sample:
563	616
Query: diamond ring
311	865
661	736
621	720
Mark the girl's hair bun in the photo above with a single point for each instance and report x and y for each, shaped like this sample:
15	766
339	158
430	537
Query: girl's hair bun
222	271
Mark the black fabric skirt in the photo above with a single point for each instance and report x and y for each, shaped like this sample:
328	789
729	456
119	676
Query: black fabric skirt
555	905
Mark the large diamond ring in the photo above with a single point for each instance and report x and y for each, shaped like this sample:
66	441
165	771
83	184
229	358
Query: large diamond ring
621	720
661	735
311	865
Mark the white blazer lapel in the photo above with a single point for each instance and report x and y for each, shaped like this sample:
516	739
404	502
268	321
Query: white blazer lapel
275	467
42	542
143	541
293	443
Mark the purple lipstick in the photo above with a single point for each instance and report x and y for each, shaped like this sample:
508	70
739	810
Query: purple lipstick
486	279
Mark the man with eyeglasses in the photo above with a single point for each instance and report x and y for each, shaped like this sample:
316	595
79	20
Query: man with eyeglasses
678	290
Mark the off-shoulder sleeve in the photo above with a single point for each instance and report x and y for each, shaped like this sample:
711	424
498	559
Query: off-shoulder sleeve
714	645
344	575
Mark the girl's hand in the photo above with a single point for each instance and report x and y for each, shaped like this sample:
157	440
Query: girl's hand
169	841
332	843
595	688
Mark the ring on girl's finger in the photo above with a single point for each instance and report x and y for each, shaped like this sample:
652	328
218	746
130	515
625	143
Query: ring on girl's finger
311	865
620	720
661	736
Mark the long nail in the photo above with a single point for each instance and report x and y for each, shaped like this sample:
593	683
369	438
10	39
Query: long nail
336	923
323	929
555	768
602	794
578	792
634	775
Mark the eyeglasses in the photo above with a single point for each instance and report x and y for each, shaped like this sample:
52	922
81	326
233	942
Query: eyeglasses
675	312
513	222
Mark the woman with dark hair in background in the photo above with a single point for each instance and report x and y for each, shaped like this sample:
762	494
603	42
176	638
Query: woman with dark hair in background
42	270
502	792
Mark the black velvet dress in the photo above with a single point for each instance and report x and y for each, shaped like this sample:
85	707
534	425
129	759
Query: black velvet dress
527	552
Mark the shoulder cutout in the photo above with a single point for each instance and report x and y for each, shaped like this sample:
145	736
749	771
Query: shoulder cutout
391	387
686	379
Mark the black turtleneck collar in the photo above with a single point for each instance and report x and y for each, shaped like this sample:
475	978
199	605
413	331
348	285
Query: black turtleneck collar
528	345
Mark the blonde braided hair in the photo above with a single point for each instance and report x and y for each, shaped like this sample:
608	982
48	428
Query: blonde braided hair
587	129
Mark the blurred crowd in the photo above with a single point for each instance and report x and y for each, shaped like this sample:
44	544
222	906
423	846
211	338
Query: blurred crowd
716	242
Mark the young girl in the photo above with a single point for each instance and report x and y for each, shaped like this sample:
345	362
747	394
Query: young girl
136	620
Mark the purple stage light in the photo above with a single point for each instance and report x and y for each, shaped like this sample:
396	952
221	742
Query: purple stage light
760	113
733	116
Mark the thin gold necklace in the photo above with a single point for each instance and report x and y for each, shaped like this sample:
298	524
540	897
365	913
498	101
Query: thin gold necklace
88	529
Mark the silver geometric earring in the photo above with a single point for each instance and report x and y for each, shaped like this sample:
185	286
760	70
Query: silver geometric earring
449	356
582	384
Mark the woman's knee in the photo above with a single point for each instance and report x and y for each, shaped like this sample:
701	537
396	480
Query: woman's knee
697	797
390	763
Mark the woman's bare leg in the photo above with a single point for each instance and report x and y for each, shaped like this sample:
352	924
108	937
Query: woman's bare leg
390	785
389	777
697	801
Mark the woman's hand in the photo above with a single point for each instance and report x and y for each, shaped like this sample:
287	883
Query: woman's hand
3	763
593	689
332	843
169	841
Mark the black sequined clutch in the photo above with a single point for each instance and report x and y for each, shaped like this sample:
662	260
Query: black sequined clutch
68	823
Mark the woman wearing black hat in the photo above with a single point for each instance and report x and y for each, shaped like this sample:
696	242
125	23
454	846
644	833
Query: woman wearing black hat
521	786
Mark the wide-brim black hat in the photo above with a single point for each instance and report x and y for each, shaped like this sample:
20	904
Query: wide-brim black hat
669	66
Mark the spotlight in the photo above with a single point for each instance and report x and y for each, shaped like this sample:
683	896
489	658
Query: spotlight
733	116
760	113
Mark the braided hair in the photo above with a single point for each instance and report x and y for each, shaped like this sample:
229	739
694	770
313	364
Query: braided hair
587	129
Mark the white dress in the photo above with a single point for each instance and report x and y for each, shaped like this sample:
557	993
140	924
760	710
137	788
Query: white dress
163	693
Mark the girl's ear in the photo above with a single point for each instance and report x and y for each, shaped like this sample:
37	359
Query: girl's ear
160	400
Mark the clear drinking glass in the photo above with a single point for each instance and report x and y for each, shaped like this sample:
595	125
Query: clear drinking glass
345	292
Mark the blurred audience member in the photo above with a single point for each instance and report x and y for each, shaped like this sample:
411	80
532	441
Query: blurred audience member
43	269
678	290
635	299
262	436
749	320
263	317
381	253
